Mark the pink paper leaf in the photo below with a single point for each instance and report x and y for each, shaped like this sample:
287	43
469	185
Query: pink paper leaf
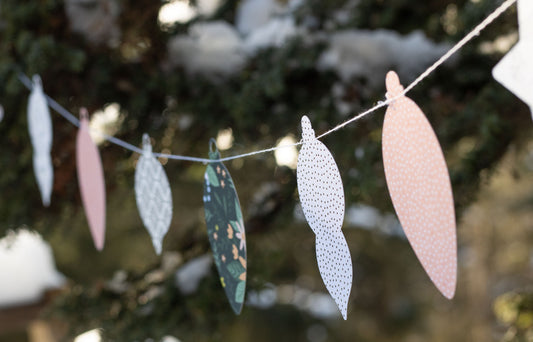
419	186
91	181
322	197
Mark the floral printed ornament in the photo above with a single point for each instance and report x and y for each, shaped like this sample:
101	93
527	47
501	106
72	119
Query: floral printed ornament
91	181
153	195
419	186
40	128
322	197
225	228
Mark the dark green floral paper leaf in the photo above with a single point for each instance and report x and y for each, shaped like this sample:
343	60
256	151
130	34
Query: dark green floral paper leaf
211	176
239	292
225	229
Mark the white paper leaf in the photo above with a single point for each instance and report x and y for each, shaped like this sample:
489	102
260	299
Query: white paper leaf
322	197
515	70
335	266
319	183
153	195
40	128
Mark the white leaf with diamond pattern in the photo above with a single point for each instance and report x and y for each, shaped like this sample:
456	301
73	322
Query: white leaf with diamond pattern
40	128
153	195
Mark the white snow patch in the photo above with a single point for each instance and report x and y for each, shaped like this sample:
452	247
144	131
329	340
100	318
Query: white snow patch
27	268
367	217
177	11
170	339
274	34
211	48
252	14
318	304
94	335
96	20
208	7
370	54
189	275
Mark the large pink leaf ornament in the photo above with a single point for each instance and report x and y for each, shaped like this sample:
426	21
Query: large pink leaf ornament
419	186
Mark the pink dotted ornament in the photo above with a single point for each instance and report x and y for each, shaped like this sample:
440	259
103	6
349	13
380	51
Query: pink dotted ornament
322	197
419	186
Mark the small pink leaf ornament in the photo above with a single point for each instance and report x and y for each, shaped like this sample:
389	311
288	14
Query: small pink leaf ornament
419	186
322	197
91	181
40	128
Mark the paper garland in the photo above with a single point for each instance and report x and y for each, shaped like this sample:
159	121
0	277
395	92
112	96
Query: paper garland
153	195
420	189
40	128
225	228
515	70
91	181
322	197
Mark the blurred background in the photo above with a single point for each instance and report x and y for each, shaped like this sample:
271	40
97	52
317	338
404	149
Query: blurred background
244	72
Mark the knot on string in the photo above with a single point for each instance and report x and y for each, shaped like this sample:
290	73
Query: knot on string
147	145
213	150
394	87
84	114
36	80
307	130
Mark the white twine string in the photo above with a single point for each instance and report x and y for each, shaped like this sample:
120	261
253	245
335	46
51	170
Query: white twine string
474	33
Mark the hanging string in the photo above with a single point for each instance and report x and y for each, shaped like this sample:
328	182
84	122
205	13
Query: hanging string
474	33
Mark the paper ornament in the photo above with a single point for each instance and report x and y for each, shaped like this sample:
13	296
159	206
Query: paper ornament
419	186
225	228
322	197
153	195
515	70
91	181
40	128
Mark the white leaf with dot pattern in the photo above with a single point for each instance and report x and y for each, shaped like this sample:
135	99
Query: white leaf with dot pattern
322	197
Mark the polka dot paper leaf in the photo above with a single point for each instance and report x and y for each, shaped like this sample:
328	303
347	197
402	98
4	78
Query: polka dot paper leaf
515	70
91	181
322	197
225	228
153	195
40	128
419	186
335	266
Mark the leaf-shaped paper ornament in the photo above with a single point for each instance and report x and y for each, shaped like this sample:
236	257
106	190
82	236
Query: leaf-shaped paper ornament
225	228
153	195
515	70
40	128
91	181
419	186
322	197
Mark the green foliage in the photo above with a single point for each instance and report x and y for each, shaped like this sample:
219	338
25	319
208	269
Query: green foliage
261	103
